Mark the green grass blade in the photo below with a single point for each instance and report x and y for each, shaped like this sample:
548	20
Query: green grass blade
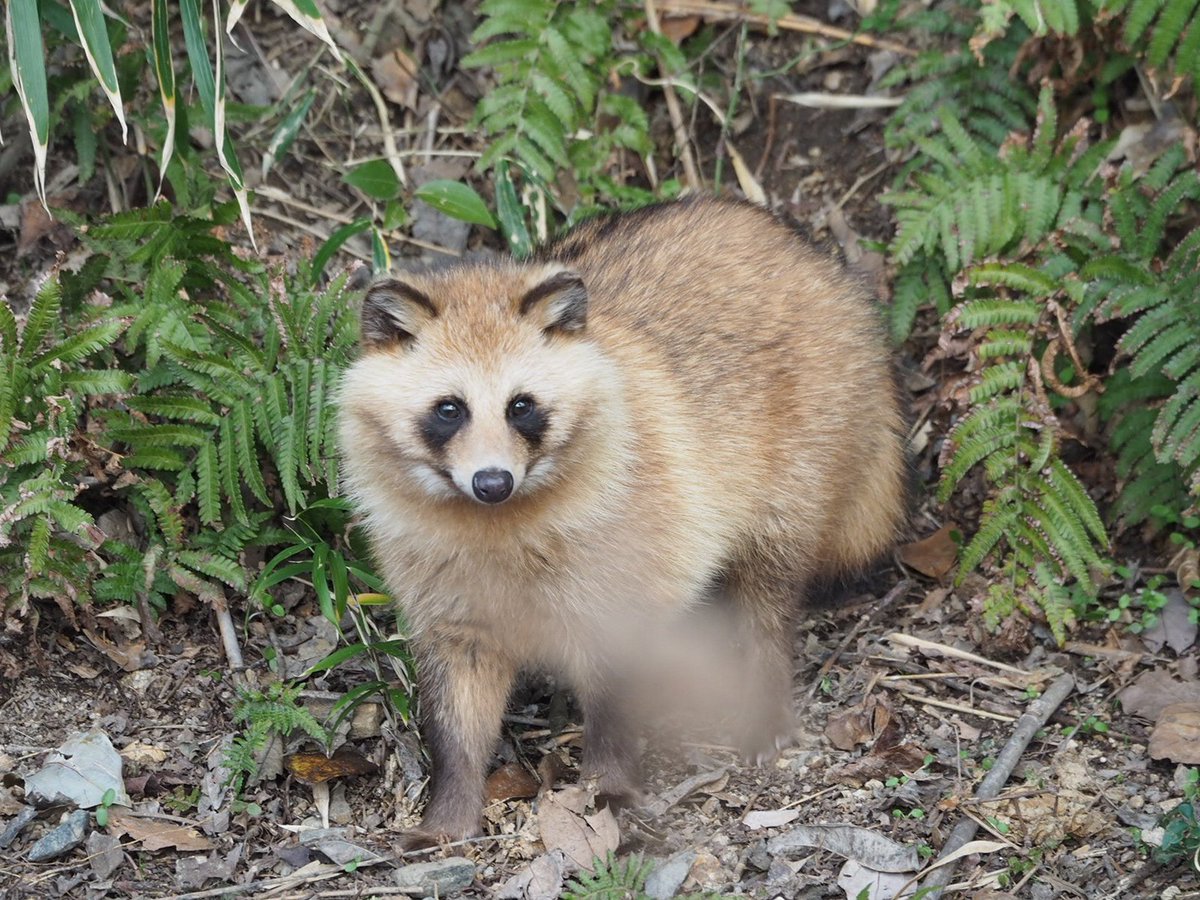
93	36
27	65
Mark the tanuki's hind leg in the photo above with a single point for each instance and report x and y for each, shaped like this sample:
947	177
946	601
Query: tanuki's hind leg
764	607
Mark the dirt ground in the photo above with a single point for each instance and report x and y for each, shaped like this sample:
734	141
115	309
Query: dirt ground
905	700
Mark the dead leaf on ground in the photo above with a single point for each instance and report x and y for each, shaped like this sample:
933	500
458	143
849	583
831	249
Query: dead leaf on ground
564	826
80	773
1176	734
511	781
934	555
769	818
129	655
317	768
677	29
880	764
1174	627
156	835
141	754
1154	691
1051	815
858	880
396	76
869	722
868	847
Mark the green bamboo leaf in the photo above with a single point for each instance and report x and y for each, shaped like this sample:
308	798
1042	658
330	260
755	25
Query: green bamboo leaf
457	200
93	36
377	179
225	150
308	17
334	244
381	260
287	131
27	67
164	70
511	214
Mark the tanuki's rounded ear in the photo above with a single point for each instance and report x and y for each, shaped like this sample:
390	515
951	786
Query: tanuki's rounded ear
558	302
393	313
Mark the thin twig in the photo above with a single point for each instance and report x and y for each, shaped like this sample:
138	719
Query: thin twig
946	650
690	172
1038	713
791	22
864	620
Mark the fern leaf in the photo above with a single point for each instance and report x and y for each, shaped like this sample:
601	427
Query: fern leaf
243	433
997	521
183	407
208	489
225	570
81	345
1067	486
1175	17
1003	342
998	379
42	317
1139	17
230	483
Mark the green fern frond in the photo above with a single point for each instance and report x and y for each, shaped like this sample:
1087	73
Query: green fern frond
611	879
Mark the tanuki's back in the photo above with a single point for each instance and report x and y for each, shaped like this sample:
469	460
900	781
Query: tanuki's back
556	459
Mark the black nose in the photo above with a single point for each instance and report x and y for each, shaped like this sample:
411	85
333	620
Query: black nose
492	485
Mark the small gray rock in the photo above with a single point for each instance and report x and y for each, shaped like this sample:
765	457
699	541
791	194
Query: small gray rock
104	853
666	877
437	878
63	839
16	825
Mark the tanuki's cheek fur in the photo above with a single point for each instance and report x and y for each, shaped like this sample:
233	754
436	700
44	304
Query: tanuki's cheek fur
558	461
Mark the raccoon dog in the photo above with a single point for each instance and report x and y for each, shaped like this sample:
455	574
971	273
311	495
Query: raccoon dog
555	458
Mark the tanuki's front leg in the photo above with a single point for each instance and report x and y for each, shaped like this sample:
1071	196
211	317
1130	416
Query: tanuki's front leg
463	691
610	749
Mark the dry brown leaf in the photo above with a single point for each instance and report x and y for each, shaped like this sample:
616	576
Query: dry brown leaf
511	782
769	818
677	29
396	76
156	835
863	724
1052	815
934	555
130	656
1154	691
1174	627
316	768
142	754
880	764
1176	734
1186	565
563	826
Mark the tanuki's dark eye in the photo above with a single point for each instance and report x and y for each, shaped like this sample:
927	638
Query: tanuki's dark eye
521	407
449	410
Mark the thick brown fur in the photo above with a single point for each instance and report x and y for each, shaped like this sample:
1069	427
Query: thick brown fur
718	409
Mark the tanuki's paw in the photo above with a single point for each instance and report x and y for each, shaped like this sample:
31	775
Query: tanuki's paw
615	789
763	739
429	835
